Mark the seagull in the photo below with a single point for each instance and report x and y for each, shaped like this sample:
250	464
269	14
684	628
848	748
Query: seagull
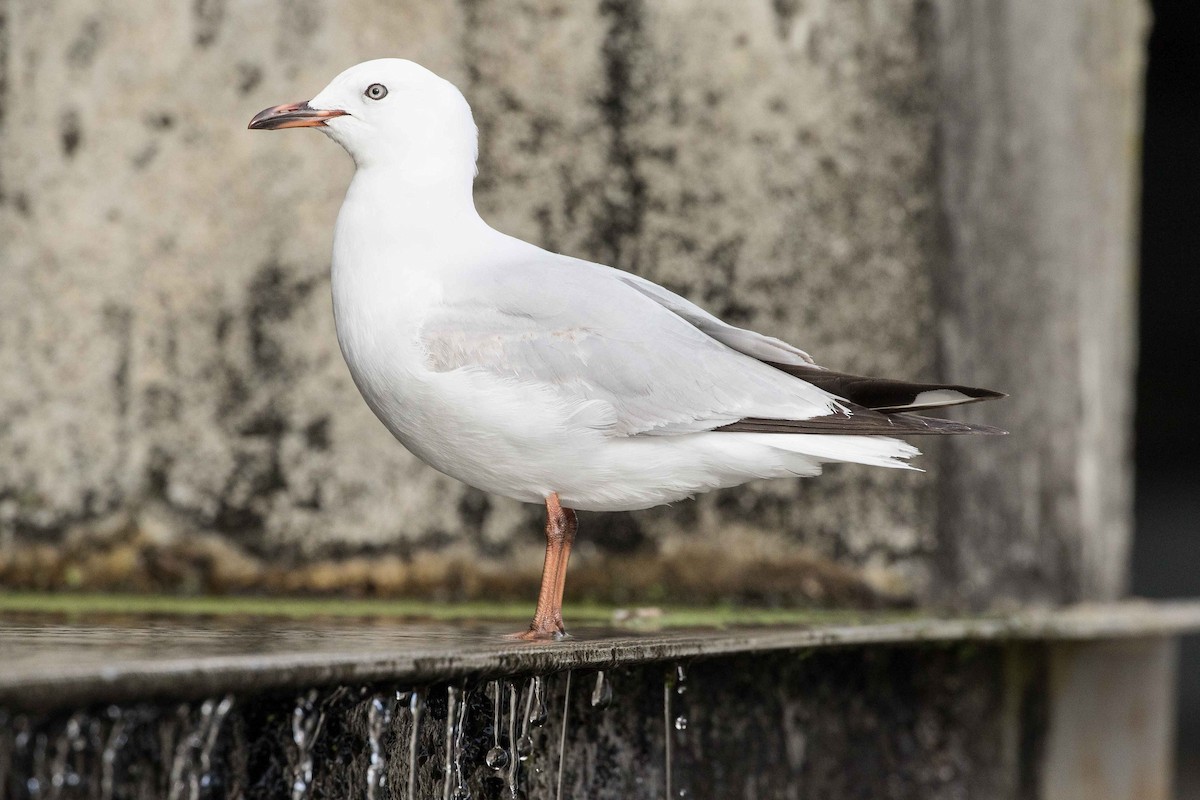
549	379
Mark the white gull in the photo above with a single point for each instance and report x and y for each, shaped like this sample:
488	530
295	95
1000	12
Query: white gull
550	379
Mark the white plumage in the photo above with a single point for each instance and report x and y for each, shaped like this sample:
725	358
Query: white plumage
530	374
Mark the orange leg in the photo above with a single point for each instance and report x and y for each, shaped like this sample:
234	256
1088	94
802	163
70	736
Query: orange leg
561	525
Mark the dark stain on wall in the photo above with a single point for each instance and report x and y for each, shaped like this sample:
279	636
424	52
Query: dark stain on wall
82	51
70	132
272	297
249	77
622	211
208	15
119	322
785	13
316	434
161	121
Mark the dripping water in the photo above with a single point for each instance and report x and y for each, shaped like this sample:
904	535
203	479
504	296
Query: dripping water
680	722
415	706
538	714
525	743
117	738
63	774
602	693
514	757
668	691
562	736
379	716
212	716
307	719
452	693
191	765
38	779
497	757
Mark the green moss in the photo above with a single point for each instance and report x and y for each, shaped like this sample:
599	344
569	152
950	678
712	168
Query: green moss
83	604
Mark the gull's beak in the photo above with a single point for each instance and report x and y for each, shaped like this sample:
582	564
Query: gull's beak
292	115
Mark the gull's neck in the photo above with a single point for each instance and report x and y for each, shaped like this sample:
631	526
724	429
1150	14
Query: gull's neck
415	204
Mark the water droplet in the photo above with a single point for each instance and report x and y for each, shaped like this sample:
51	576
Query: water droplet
680	679
538	715
497	758
684	793
681	723
602	694
524	747
462	793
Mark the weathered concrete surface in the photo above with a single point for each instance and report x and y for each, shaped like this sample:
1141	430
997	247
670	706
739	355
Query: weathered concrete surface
1002	707
50	662
168	369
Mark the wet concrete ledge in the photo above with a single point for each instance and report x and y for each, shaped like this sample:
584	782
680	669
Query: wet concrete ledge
48	663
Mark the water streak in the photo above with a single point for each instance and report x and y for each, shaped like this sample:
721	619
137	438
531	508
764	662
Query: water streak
668	691
497	757
415	706
454	787
212	716
514	758
562	736
38	779
452	693
307	719
116	740
602	693
461	793
538	713
679	723
175	741
69	741
379	715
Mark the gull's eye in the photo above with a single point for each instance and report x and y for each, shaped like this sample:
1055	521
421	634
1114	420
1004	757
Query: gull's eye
376	91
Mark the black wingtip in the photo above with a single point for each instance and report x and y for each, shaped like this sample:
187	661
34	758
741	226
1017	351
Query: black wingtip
981	394
886	395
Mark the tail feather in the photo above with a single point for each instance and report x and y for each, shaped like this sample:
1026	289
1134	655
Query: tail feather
861	422
876	451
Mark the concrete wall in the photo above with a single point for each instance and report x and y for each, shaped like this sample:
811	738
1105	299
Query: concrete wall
173	407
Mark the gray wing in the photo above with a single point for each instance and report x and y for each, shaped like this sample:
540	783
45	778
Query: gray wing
884	395
754	344
581	331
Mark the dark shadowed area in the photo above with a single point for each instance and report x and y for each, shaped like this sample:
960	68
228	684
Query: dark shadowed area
1166	555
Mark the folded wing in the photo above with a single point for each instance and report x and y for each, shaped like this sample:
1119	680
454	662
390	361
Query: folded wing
659	364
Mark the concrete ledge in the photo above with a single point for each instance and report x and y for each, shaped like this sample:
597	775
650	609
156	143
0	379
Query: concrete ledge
55	664
1073	703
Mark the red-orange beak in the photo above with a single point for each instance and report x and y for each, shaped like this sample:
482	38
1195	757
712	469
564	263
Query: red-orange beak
292	115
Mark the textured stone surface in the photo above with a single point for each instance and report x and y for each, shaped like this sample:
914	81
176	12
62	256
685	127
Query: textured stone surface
888	724
168	366
1036	705
54	660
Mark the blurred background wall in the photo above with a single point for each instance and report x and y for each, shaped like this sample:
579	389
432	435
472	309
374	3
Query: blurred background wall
919	189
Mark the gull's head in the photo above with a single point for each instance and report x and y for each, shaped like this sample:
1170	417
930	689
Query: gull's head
388	112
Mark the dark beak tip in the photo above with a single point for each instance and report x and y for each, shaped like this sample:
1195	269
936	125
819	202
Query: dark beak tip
292	115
